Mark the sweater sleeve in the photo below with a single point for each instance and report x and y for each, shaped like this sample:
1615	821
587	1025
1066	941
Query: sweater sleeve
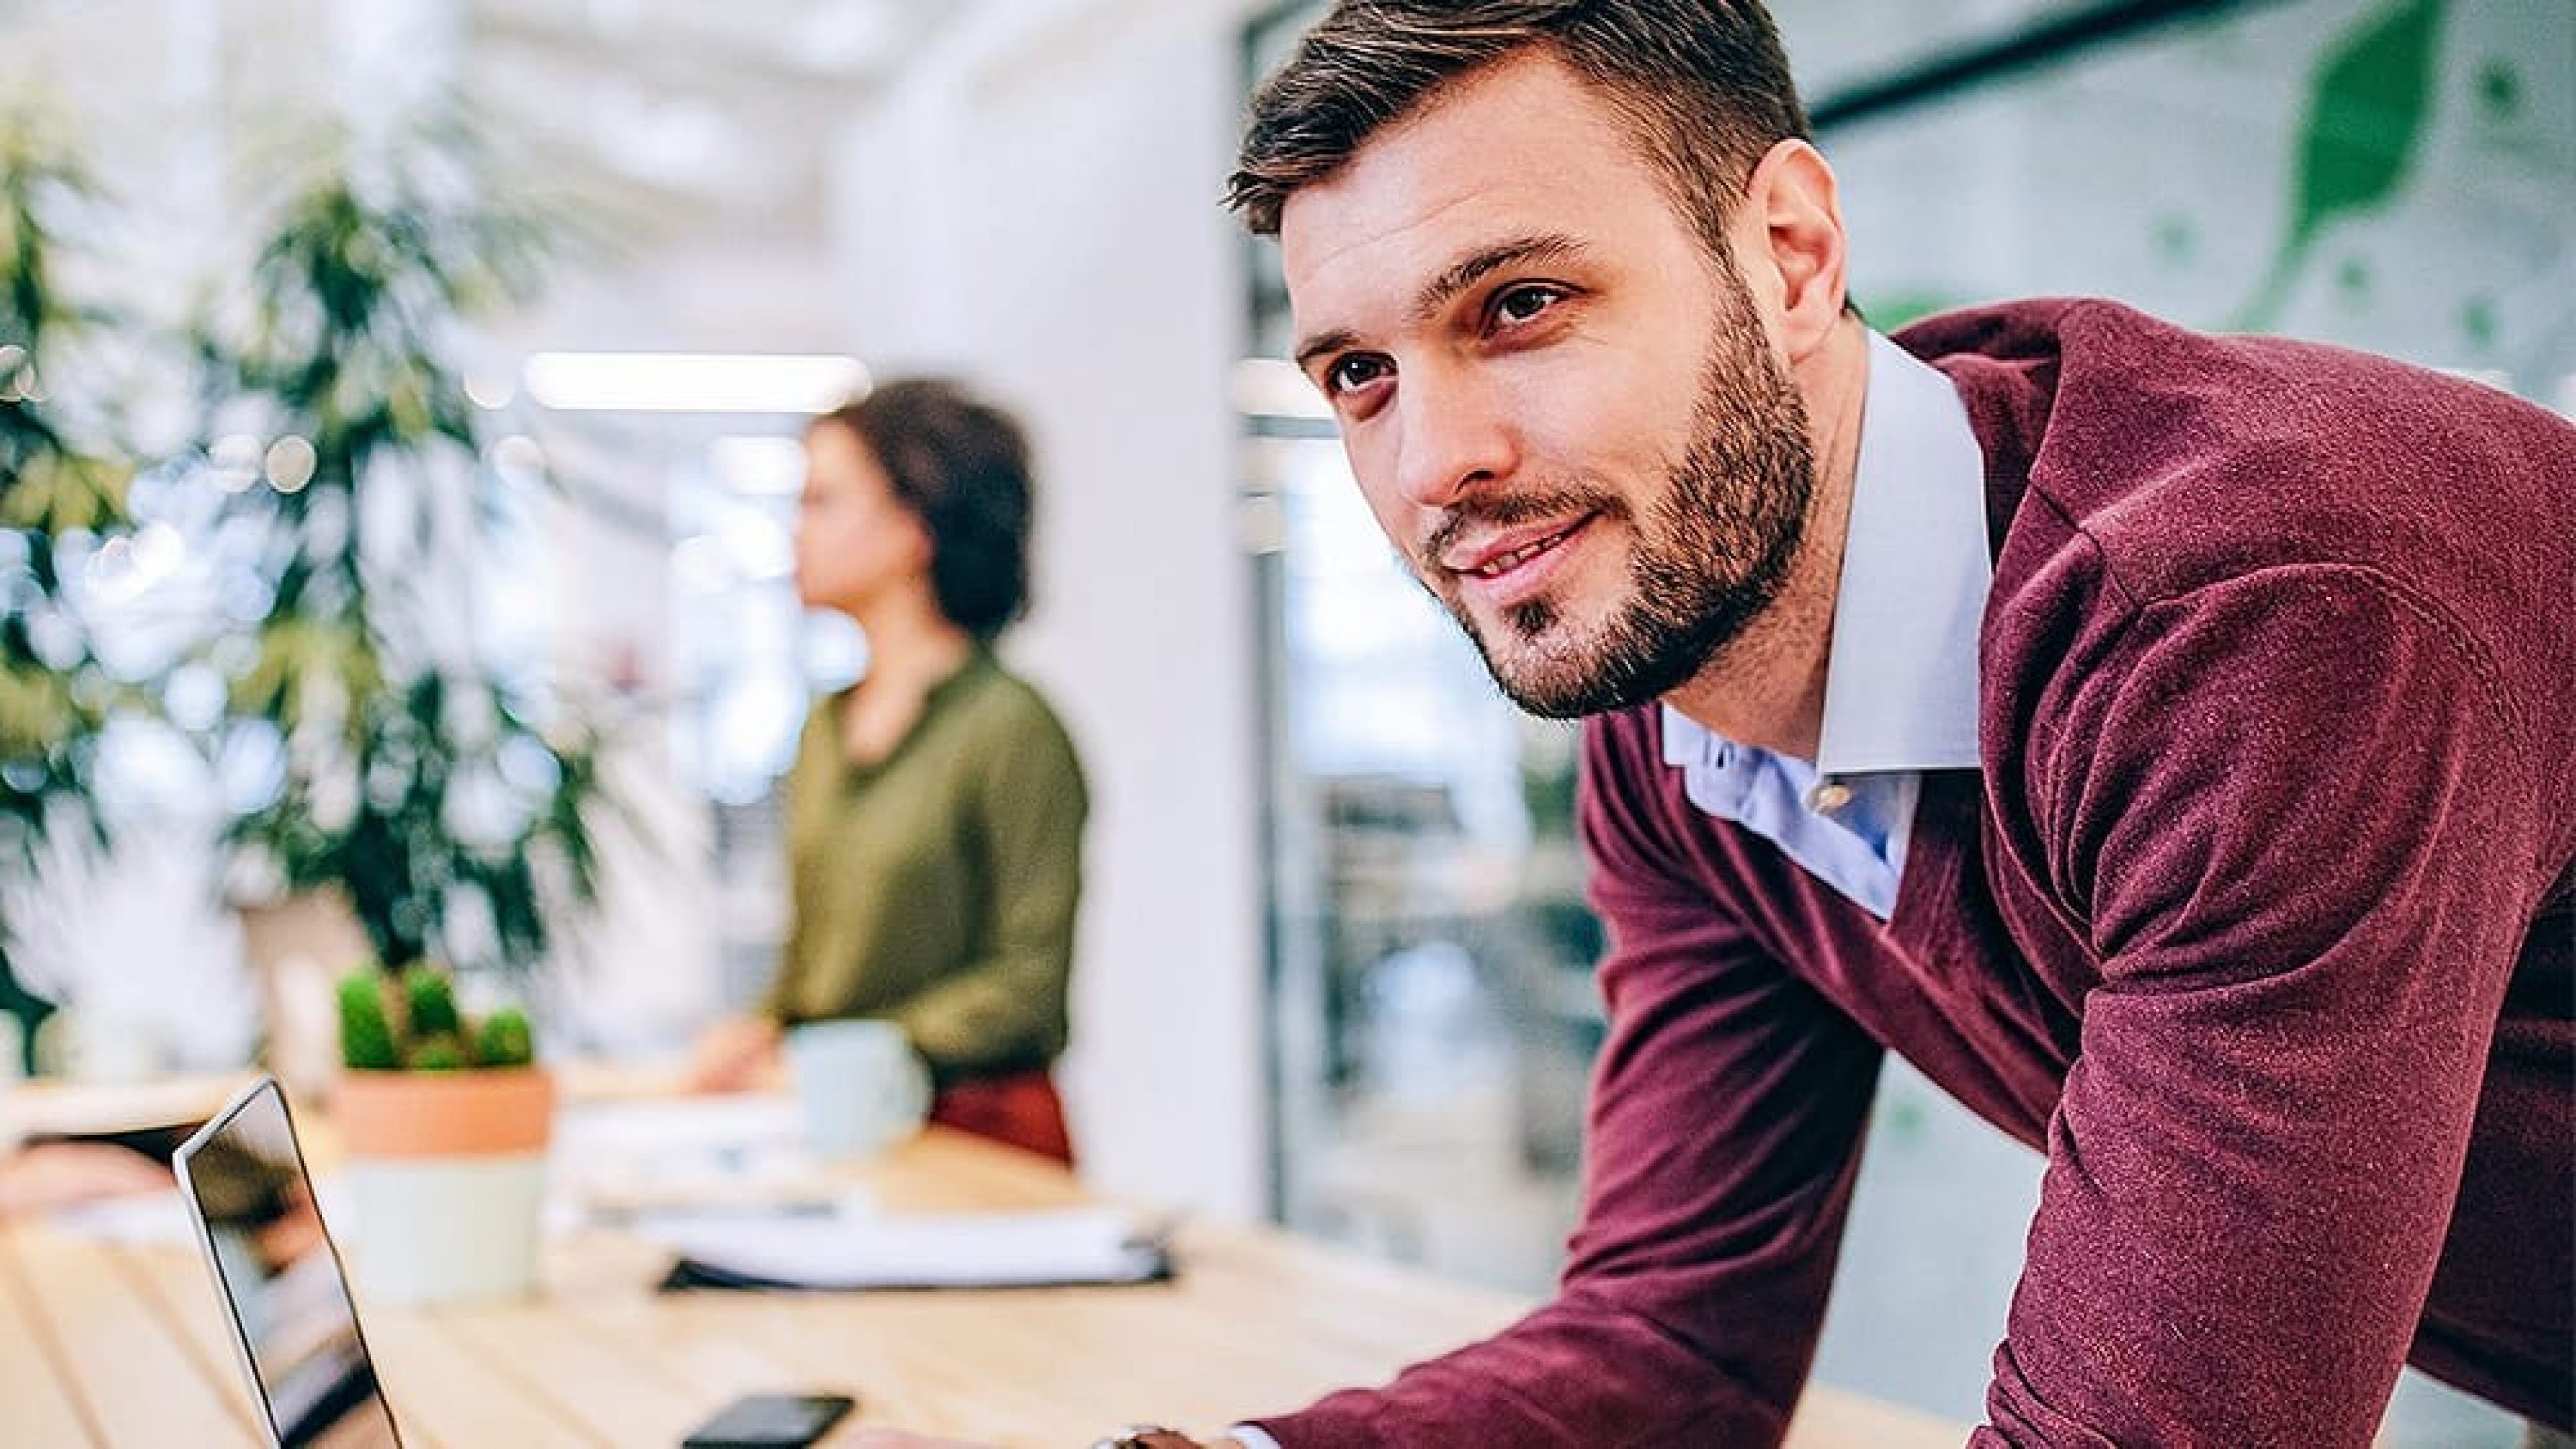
1724	1133
1006	1007
2293	818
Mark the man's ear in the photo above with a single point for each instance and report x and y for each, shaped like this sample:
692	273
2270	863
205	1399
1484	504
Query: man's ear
1788	240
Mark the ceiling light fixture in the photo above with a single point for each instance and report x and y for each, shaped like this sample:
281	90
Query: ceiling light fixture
692	382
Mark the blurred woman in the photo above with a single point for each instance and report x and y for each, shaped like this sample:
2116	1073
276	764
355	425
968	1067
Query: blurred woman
935	810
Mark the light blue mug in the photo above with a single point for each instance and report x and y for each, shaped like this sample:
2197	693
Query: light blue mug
859	1086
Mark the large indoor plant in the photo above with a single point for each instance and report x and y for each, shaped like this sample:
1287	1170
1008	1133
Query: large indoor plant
61	500
414	777
403	770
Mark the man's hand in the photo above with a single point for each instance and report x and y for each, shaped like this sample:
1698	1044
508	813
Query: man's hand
734	1055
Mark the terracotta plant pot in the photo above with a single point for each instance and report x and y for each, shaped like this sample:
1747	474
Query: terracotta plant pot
446	1178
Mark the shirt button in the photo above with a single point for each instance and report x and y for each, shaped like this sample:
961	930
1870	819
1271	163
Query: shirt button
1828	797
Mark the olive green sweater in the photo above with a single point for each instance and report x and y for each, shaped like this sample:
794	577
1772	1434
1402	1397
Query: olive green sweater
936	888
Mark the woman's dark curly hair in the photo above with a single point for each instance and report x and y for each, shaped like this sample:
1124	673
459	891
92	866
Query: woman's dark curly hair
961	465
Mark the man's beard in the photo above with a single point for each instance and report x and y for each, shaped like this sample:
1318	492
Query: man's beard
1711	552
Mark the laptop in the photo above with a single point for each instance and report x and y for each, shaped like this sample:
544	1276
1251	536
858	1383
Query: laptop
246	1187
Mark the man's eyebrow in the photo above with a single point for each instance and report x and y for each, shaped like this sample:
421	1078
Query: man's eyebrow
1322	343
1460	275
1467	271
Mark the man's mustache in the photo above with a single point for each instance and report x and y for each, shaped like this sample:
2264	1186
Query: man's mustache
1507	512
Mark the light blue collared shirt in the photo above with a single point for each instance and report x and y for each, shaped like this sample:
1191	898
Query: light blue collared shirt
1901	676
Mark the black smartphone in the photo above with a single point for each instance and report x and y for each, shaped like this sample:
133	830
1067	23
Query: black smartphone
770	1421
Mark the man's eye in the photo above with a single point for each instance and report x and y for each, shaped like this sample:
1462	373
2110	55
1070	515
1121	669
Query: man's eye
1521	303
1358	370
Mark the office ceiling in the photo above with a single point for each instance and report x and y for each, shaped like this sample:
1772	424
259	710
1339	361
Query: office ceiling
722	111
677	113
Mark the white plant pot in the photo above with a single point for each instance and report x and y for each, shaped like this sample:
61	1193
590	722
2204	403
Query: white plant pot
431	1231
446	1175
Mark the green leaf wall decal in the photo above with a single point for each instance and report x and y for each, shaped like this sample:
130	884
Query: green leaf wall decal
2366	119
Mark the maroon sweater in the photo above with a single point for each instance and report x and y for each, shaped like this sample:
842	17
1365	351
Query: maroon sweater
2259	919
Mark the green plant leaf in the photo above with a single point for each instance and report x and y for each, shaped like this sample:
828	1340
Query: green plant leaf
366	1028
506	1039
430	1001
439	1054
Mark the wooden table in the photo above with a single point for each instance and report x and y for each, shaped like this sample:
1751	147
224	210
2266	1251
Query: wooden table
106	1345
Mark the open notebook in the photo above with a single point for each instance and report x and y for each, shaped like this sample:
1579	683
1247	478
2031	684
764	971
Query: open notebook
1059	1247
726	1184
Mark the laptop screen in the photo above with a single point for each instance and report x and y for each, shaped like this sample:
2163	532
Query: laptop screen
245	1181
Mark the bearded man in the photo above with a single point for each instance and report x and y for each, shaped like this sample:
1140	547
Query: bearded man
2166	742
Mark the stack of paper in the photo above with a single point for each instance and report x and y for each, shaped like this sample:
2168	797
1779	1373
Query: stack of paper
618	1162
1059	1247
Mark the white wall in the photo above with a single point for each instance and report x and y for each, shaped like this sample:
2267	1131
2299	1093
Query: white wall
1035	207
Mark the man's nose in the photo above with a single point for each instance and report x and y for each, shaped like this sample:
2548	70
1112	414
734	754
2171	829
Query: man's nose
1455	436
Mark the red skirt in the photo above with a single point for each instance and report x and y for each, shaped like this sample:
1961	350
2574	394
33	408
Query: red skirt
1021	1110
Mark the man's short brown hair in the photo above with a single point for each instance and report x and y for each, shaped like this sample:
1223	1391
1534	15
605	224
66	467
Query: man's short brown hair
1702	85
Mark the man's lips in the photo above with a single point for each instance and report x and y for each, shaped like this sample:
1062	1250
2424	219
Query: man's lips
1503	555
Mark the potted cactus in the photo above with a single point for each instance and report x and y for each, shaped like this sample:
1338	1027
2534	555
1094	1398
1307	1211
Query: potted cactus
445	1117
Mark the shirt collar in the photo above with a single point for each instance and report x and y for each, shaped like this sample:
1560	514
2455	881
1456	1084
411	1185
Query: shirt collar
1901	678
1901	675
